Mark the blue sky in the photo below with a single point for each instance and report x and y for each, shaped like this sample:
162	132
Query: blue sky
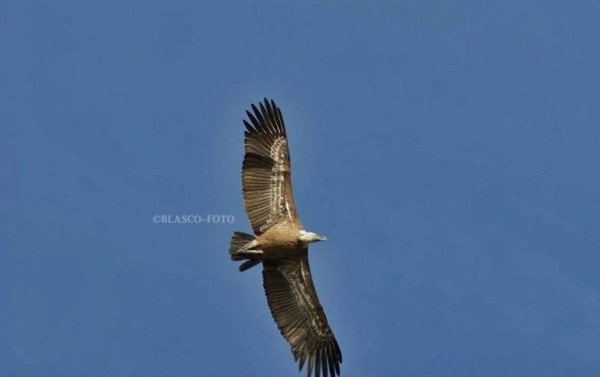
448	150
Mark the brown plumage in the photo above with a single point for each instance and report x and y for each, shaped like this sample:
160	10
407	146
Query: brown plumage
281	243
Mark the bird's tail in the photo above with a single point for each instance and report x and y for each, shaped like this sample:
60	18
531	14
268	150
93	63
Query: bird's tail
241	248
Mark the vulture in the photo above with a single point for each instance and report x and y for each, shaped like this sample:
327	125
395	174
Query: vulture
280	243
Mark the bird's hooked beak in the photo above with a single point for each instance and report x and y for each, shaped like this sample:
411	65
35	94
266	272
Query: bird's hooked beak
321	237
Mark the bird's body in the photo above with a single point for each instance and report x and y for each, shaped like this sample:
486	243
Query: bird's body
280	243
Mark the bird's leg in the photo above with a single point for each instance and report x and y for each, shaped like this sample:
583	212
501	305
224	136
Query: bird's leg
249	246
251	253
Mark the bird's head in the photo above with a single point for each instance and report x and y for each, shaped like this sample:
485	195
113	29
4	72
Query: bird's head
308	237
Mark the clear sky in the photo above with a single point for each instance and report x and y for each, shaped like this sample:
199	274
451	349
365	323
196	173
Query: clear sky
448	150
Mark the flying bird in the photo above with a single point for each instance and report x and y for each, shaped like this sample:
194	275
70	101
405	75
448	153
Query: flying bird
280	243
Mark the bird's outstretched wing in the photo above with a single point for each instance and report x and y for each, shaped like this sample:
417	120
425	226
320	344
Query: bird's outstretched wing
299	315
266	172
